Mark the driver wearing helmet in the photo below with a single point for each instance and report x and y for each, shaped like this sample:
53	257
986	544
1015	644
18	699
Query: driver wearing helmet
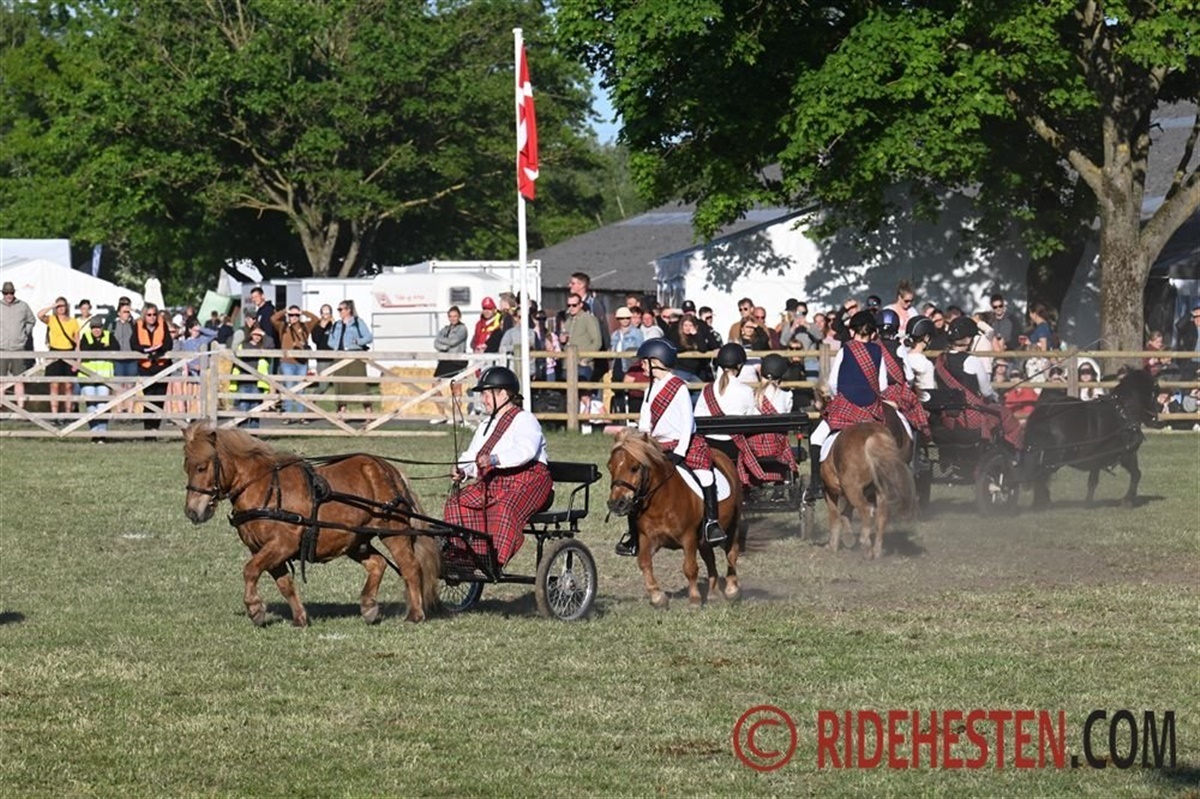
920	332
898	391
668	418
727	396
856	380
507	462
959	370
769	398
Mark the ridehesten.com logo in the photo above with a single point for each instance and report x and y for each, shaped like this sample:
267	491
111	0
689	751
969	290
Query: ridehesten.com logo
765	738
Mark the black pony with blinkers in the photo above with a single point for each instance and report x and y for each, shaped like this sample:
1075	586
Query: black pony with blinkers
1089	436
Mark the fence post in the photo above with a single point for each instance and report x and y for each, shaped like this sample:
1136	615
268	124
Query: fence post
572	376
1072	376
825	362
212	382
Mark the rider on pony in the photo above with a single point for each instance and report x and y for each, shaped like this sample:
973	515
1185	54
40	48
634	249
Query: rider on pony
727	396
856	381
920	332
507	458
959	370
668	418
769	399
898	391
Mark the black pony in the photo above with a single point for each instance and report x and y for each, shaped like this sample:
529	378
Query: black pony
1090	436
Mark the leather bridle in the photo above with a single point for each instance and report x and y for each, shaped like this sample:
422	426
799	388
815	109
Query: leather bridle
216	492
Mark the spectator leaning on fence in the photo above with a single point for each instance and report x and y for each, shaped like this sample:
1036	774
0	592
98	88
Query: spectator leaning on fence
582	331
97	368
153	340
16	335
248	389
62	335
294	334
349	334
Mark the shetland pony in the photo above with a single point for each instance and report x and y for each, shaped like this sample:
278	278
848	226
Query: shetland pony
277	497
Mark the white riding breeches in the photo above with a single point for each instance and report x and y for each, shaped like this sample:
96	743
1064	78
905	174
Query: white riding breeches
821	433
705	476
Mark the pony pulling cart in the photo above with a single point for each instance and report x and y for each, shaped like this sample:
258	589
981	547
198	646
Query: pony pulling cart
287	508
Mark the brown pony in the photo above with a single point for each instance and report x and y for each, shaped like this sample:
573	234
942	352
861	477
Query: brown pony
230	464
868	471
668	513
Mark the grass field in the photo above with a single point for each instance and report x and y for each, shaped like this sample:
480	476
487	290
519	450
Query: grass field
128	666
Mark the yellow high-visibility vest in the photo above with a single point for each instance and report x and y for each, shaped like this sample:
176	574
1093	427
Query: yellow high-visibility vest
264	368
98	367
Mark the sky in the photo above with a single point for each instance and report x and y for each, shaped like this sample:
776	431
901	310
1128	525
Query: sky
606	130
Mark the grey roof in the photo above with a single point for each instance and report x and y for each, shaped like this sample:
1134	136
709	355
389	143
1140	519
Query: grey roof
618	257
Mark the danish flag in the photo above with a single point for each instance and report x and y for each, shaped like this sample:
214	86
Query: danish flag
527	149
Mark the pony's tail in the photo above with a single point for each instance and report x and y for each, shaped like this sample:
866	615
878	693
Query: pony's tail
429	556
891	475
427	549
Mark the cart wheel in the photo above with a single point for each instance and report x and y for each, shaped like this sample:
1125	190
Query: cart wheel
996	492
807	516
459	595
566	581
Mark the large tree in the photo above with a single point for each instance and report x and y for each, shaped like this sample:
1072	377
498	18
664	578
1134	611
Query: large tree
1038	109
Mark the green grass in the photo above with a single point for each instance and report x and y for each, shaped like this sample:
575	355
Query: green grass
128	667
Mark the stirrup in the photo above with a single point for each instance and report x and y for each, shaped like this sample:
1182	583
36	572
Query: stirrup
713	534
628	546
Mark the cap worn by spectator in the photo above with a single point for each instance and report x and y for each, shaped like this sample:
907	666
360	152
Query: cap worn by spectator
8	288
874	302
624	313
689	306
792	304
98	321
488	304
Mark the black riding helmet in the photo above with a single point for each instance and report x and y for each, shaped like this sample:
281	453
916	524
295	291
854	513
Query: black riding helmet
962	327
862	323
497	377
660	349
773	366
730	356
920	327
889	323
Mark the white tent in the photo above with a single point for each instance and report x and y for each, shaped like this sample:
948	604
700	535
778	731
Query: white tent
39	282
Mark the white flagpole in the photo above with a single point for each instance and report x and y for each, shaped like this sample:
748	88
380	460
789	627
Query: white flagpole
522	248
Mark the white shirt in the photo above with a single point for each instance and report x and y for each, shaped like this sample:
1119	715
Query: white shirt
677	422
523	442
781	398
983	344
975	366
922	370
736	400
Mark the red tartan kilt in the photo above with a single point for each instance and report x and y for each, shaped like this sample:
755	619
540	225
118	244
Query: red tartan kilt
762	445
500	506
909	404
841	413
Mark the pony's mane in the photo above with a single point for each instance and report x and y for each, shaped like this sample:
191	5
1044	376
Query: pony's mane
233	445
1135	383
641	447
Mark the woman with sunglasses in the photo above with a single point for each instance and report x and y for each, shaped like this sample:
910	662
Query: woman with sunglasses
62	335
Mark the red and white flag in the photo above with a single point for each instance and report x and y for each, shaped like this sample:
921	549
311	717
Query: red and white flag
527	149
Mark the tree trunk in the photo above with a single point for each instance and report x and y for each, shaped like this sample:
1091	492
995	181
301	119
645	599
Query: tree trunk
319	241
1124	269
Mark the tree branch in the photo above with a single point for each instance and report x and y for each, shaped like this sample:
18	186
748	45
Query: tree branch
1181	171
404	206
1061	143
1174	211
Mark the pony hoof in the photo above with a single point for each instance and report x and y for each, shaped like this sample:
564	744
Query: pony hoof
733	593
660	600
371	615
300	621
415	618
258	617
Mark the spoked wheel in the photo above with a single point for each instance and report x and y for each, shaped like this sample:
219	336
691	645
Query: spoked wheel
807	517
566	581
457	596
996	490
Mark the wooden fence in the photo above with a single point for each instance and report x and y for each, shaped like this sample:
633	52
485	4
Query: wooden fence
402	395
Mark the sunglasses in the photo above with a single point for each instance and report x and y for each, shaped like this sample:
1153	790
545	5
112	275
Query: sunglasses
572	305
293	316
60	307
150	313
998	306
853	307
745	307
343	308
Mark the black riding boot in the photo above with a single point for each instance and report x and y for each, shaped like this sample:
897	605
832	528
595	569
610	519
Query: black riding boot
713	534
628	546
815	487
916	453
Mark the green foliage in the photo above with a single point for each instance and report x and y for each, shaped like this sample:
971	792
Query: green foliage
309	137
1039	111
